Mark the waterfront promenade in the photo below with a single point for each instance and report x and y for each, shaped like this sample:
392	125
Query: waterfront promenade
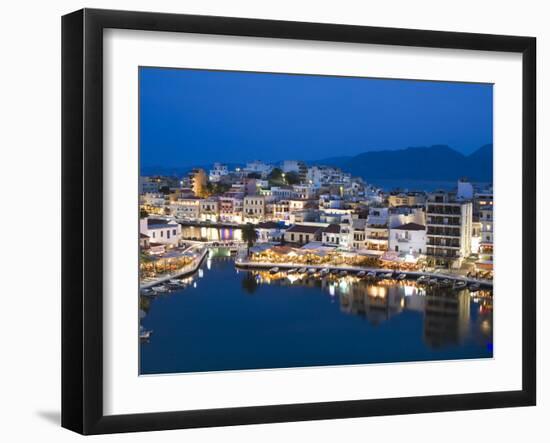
182	272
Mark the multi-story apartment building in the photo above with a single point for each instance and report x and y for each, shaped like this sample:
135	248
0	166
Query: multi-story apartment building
254	208
218	171
210	209
152	203
376	229
295	166
231	209
186	208
449	228
486	234
197	181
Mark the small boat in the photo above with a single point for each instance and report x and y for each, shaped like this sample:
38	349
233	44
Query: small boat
146	291
160	288
343	273
422	279
387	275
302	270
445	282
334	271
433	281
324	272
474	287
174	282
371	274
274	270
311	271
361	274
459	285
401	277
292	271
144	334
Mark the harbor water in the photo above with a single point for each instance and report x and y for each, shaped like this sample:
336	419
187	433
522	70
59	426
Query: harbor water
229	319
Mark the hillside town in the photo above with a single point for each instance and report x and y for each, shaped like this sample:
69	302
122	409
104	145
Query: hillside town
314	214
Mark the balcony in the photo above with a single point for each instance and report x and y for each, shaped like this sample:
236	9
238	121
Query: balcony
377	237
442	246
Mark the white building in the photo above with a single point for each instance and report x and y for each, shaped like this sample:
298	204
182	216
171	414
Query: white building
166	232
327	175
258	167
186	208
408	238
331	235
269	232
218	171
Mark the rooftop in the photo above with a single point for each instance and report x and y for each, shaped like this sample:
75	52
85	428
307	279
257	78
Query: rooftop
332	229
411	227
307	229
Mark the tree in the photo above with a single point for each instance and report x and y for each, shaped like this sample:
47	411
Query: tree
276	176
292	178
249	235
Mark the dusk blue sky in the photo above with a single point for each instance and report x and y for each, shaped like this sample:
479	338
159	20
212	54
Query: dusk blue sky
197	117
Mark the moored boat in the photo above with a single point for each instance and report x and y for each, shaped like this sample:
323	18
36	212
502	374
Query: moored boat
334	271
422	279
459	284
302	270
311	271
160	288
274	270
387	274
292	271
324	272
474	287
343	273
144	334
433	281
371	274
401	277
361	274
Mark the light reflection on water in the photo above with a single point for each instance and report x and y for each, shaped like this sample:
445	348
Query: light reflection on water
233	319
210	233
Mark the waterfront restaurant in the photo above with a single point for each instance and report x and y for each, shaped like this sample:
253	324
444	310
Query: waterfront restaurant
314	253
153	266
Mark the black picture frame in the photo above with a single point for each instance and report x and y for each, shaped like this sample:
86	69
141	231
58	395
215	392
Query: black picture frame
82	218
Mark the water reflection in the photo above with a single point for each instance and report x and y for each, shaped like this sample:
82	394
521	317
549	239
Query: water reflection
210	233
446	313
226	319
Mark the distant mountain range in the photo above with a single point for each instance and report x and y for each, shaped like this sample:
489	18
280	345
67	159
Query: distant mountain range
433	163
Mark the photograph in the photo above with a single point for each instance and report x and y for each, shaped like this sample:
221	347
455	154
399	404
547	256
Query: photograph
297	220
